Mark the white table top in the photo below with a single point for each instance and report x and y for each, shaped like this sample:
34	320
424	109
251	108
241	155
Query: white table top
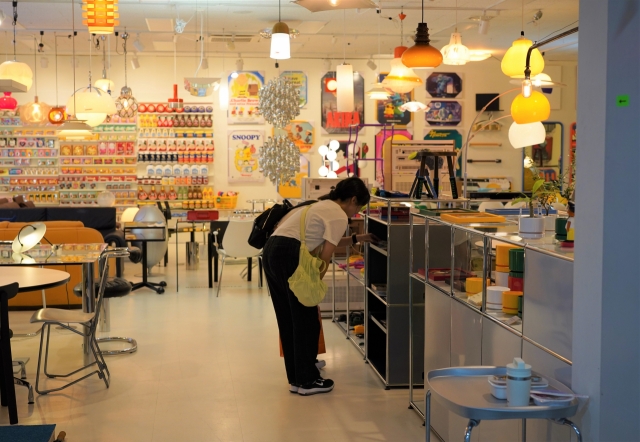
32	278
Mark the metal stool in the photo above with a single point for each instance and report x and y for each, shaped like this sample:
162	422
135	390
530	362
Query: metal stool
115	288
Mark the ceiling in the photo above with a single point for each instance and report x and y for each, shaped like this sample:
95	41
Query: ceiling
322	34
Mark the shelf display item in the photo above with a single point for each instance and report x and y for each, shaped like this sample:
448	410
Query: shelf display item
494	297
474	285
465	218
510	301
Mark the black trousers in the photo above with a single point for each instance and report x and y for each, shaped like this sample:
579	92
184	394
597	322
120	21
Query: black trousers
299	326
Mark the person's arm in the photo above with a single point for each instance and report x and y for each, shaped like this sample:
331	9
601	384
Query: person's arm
365	237
325	255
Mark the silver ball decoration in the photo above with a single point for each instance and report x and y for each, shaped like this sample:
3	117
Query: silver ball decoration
279	159
279	102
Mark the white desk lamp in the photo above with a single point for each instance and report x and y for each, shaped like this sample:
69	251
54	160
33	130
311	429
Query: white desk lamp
28	237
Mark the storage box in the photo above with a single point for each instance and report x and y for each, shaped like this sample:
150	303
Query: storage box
202	215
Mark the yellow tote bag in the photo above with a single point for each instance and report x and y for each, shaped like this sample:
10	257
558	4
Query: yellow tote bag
305	282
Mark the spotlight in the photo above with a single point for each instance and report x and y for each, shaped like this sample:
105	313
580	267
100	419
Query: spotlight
372	65
44	62
205	64
483	27
137	44
135	63
239	64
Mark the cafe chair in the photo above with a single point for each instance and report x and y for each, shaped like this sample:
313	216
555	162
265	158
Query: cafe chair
87	324
235	246
7	390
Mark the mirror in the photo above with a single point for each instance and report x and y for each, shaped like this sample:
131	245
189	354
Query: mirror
546	157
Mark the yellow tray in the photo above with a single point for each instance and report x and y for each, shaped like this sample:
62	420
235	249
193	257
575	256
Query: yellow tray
466	218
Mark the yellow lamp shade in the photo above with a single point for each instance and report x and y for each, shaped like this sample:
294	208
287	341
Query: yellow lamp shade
422	55
515	60
16	71
532	109
34	113
401	79
100	16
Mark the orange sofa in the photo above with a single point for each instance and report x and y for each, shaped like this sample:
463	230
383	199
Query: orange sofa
58	232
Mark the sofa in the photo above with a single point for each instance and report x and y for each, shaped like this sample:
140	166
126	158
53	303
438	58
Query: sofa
58	232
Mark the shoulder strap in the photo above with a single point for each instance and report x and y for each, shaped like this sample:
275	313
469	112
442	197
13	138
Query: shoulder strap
303	219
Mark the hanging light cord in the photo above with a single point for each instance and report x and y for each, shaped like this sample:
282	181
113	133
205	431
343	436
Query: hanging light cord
344	36
35	64
15	22
124	47
279	16
56	44
522	17
423	11
456	15
73	48
90	60
402	23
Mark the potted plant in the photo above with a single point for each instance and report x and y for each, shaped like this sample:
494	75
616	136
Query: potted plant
543	193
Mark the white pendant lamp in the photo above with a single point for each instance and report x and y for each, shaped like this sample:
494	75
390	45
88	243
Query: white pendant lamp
91	105
344	77
529	134
104	83
345	93
15	70
478	54
455	53
280	40
72	128
377	92
413	106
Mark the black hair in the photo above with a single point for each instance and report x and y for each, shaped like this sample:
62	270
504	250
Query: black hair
347	189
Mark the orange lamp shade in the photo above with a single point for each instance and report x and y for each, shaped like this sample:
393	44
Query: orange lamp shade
100	16
57	115
530	110
422	55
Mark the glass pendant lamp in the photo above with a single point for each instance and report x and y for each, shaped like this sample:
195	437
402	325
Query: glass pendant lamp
344	78
35	113
126	104
280	40
515	59
378	92
455	53
529	134
401	79
529	110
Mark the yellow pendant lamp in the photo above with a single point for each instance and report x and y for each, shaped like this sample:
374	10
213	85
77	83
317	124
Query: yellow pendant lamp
530	110
422	55
36	112
515	60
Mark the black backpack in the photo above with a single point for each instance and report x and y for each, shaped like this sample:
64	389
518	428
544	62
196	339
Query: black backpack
266	222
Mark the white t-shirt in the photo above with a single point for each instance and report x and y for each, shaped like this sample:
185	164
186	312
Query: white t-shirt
325	221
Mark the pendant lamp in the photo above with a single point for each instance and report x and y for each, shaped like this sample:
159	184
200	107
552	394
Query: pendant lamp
91	105
344	92
413	106
422	55
478	54
455	53
15	70
401	79
523	135
280	40
100	16
344	77
57	114
377	92
7	102
104	83
529	110
72	128
514	61
126	104
35	113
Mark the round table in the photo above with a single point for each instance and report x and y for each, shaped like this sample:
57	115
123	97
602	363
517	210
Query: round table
33	278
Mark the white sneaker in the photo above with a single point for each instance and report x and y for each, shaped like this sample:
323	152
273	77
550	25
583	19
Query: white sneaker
318	386
320	363
293	388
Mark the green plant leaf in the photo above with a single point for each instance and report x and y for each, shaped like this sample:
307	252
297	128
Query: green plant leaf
522	200
537	185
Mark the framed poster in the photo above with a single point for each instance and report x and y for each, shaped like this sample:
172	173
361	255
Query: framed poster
243	97
388	111
334	122
447	134
299	80
443	113
244	147
300	132
444	84
293	189
383	151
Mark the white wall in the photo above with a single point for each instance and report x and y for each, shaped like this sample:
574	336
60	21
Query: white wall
153	80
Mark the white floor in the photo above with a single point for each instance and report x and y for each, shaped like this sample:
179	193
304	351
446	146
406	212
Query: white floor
207	369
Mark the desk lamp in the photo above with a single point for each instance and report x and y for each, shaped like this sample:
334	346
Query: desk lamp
28	237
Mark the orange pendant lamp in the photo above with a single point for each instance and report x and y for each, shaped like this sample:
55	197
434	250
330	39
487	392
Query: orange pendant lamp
100	16
401	79
422	55
530	110
514	61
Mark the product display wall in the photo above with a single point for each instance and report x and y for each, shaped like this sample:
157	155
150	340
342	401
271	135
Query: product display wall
153	81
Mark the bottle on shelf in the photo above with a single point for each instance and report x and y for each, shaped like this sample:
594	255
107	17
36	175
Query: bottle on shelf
153	195
190	193
172	195
162	195
142	194
199	197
